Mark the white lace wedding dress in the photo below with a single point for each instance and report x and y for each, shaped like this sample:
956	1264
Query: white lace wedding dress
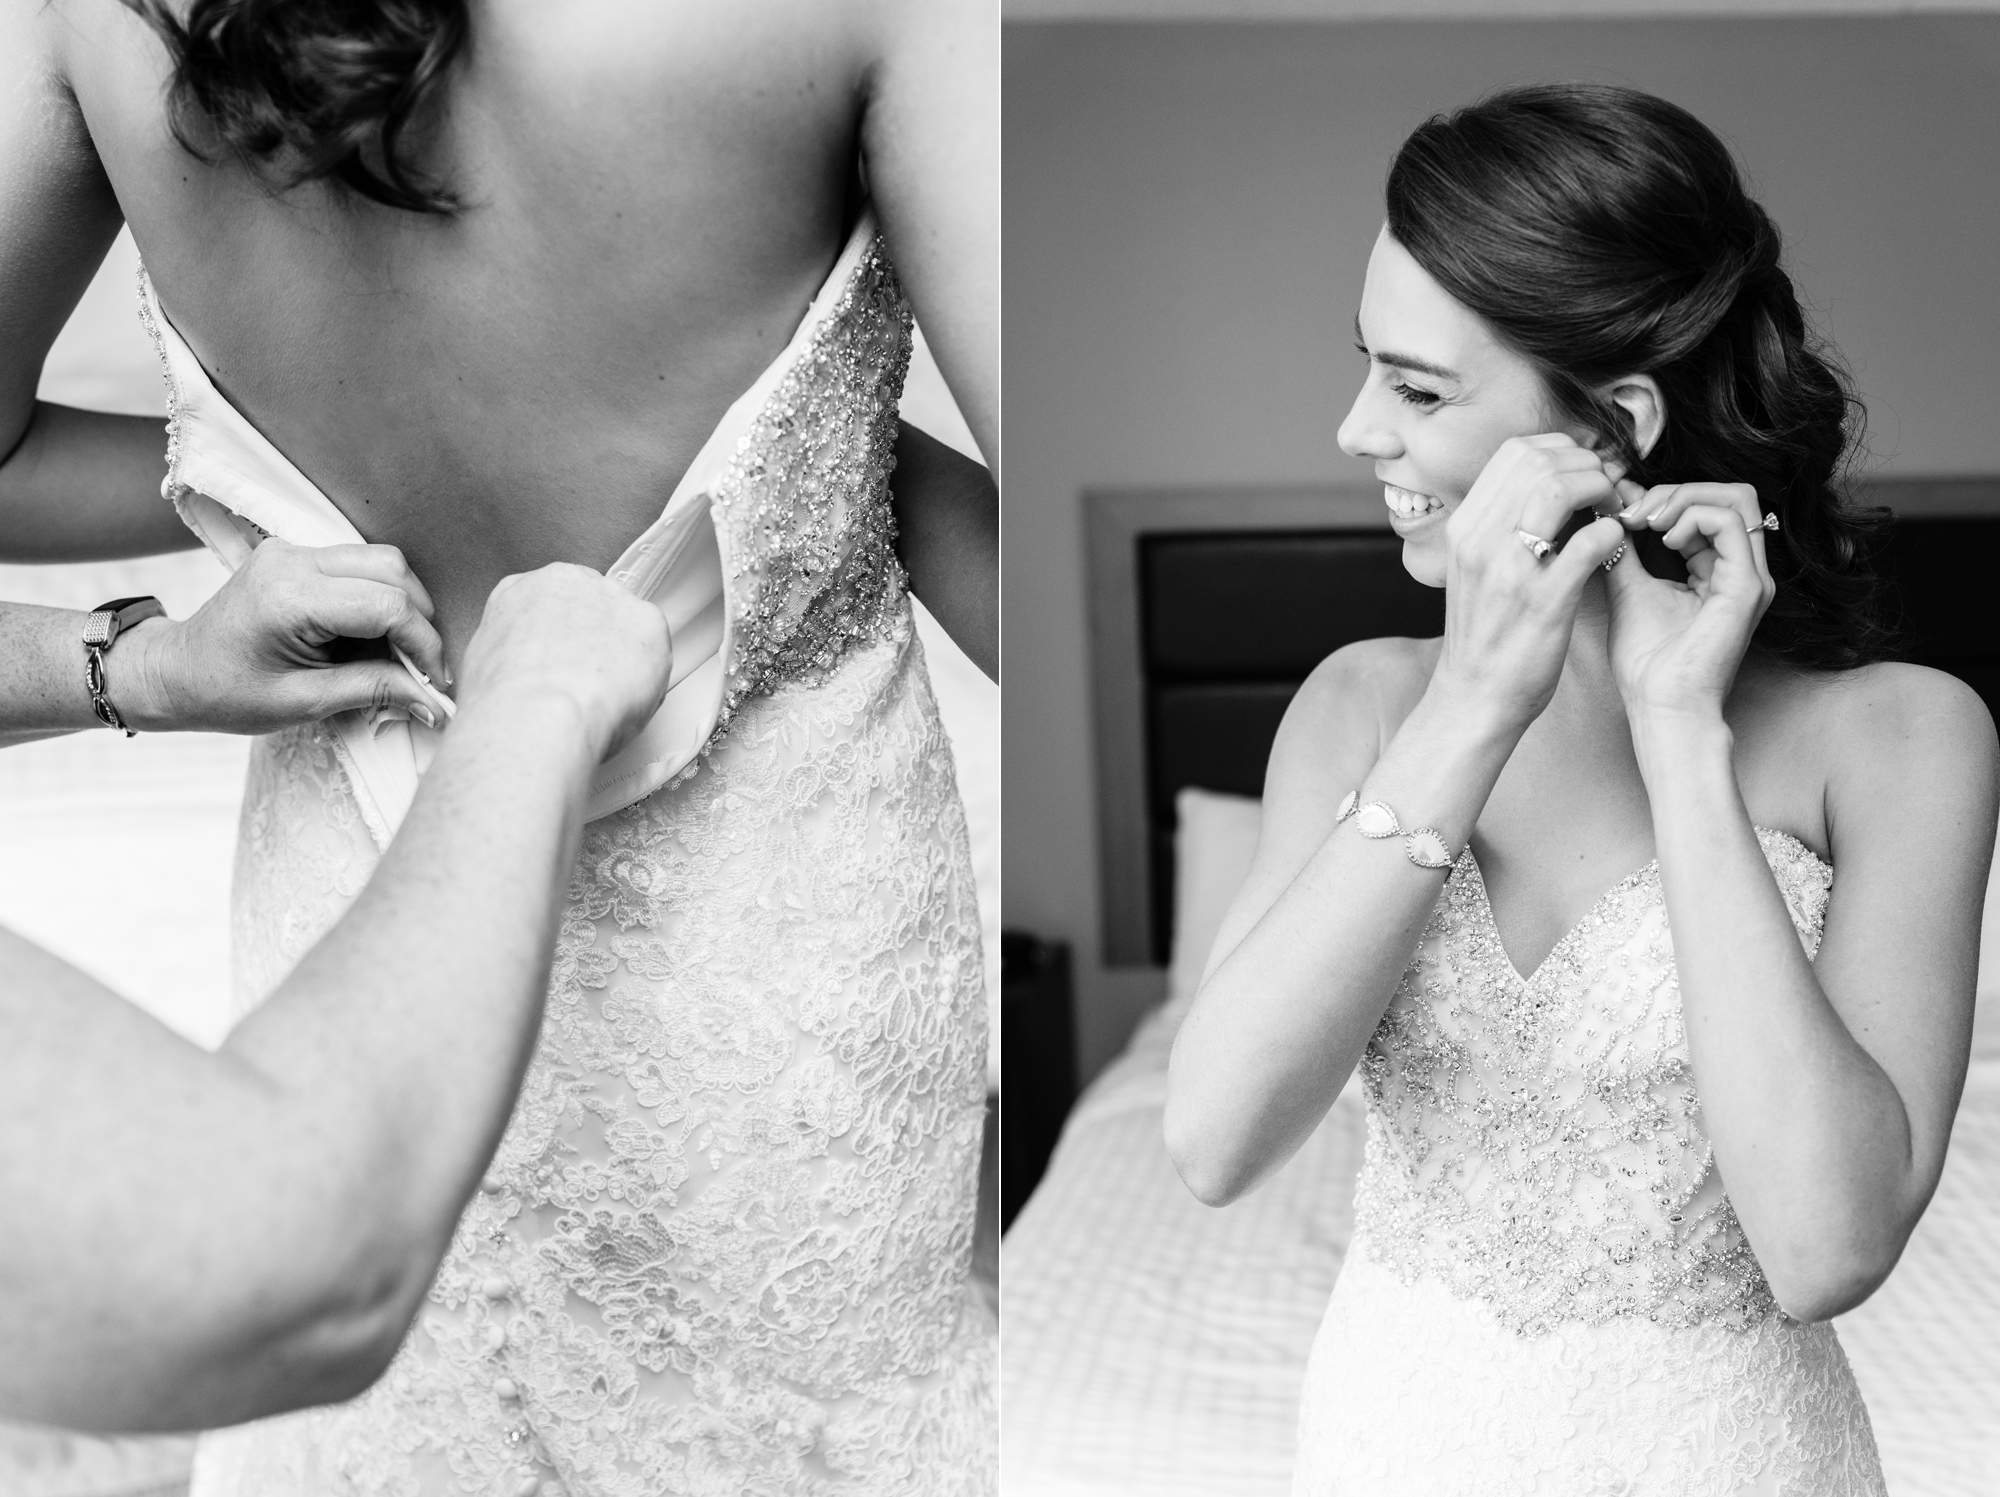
1547	1291
723	1247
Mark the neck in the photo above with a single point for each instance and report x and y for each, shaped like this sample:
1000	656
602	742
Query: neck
1586	673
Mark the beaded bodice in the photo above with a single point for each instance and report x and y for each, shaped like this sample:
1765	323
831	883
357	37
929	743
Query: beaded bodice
802	513
1536	1143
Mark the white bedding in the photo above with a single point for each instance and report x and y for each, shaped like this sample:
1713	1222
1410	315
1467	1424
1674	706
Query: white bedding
1153	1347
1926	1348
1149	1344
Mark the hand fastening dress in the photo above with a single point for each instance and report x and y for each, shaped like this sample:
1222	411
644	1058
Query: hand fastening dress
723	1246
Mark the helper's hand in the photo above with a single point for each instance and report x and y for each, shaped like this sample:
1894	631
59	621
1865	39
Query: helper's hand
568	635
276	645
1508	615
1675	647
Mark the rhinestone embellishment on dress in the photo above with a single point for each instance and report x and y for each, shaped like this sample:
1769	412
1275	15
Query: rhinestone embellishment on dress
1536	1143
803	516
722	1246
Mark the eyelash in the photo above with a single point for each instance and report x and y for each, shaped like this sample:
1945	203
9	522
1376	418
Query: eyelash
1422	399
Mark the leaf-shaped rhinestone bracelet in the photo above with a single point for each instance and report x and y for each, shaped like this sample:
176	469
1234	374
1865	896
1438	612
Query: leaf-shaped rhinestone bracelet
1375	820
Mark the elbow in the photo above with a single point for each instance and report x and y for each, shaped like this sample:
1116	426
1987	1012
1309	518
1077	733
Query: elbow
270	1345
340	1347
349	1292
1811	1301
1213	1179
327	1347
1817	1282
329	1327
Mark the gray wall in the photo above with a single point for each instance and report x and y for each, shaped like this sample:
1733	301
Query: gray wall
1189	212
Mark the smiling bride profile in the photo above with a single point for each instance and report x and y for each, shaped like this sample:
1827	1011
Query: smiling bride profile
1646	900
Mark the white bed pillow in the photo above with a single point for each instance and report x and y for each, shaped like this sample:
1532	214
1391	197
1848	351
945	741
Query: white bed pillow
1215	836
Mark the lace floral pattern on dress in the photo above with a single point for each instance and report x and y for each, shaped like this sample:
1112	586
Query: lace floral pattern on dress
302	854
1547	1290
1433	1397
1537	1143
723	1247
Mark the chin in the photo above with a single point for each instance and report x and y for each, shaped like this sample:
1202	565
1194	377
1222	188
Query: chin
1424	562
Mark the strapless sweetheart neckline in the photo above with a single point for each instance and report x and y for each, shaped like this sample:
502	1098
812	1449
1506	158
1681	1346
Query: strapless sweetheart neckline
1547	1288
1567	940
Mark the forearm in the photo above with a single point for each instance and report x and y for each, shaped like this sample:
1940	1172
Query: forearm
42	690
1284	1017
415	1017
41	673
212	1238
85	486
1810	1134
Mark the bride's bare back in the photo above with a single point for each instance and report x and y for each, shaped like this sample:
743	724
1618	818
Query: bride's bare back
652	194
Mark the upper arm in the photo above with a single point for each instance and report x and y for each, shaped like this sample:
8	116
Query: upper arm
930	137
948	539
1912	798
58	214
1332	734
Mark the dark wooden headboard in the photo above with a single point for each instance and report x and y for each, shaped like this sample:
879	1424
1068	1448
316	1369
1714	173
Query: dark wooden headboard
1209	607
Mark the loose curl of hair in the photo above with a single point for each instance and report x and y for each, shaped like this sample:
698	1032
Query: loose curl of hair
312	90
1603	232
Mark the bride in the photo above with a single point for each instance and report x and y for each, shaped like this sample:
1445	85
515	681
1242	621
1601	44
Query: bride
501	284
1646	900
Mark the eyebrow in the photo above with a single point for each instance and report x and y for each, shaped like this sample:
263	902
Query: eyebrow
1402	360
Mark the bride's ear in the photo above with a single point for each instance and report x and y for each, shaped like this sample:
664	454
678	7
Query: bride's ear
1639	397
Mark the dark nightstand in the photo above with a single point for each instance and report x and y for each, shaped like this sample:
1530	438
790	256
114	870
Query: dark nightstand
1038	1061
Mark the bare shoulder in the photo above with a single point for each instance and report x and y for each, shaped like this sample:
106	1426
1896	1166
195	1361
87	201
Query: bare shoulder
1867	756
1376	680
1346	710
1895	719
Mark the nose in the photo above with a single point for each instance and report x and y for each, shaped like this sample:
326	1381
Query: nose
1369	430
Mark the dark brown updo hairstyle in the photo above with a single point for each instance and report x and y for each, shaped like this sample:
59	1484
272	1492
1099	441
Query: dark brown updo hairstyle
313	90
1603	232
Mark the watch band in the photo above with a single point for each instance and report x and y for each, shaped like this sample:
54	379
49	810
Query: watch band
100	631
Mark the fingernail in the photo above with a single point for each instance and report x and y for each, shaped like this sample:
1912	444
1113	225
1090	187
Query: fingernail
382	721
424	715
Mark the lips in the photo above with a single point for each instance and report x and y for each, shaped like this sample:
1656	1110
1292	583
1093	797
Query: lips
1406	504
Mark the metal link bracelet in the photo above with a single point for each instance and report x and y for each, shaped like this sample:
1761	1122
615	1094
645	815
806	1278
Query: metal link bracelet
100	631
1424	847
